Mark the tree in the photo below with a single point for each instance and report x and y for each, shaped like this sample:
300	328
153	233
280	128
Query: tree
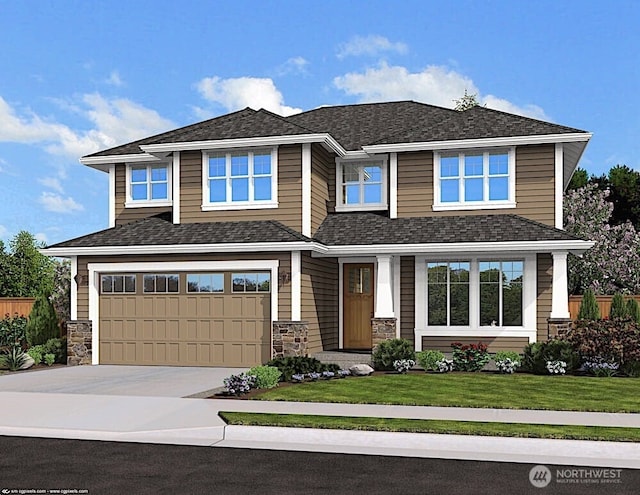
43	322
466	102
623	184
589	309
24	271
580	178
618	307
611	265
633	310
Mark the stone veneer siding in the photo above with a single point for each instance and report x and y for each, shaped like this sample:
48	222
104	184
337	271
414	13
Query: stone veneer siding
382	329
79	336
557	327
290	338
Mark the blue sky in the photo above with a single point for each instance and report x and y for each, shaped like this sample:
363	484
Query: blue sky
80	76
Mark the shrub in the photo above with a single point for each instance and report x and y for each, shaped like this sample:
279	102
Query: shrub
13	330
49	359
589	309
13	358
43	322
618	307
469	357
633	310
300	365
403	365
507	361
57	347
37	353
429	359
391	350
239	384
632	369
266	376
556	367
613	340
445	365
537	354
601	367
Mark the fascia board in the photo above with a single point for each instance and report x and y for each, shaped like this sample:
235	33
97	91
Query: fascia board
479	143
94	161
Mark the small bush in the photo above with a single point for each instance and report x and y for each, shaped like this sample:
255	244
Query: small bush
556	367
507	361
239	384
445	365
537	354
37	354
13	330
429	359
633	310
403	365
469	357
589	309
13	358
57	347
632	369
266	376
391	350
601	367
43	322
300	365
49	359
618	307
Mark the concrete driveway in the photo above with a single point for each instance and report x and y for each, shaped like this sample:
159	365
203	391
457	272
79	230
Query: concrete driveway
150	381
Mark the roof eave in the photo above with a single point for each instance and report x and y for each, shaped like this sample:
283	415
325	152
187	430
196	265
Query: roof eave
103	162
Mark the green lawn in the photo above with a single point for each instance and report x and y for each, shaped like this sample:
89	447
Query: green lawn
433	426
519	391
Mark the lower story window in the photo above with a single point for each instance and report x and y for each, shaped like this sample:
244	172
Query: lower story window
251	282
448	293
501	293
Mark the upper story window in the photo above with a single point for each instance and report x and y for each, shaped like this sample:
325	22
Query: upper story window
474	180
240	179
361	185
148	185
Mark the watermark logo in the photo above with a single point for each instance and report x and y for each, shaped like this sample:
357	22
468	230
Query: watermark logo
540	476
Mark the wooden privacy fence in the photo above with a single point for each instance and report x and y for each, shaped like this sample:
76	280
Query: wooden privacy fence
604	303
11	305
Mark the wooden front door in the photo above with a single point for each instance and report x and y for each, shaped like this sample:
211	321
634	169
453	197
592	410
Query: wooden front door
358	286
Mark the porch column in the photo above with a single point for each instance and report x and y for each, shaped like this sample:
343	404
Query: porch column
384	289
559	288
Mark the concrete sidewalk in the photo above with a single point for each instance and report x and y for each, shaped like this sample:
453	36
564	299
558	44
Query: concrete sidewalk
196	422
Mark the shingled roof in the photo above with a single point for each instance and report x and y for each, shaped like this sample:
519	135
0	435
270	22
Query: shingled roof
355	126
354	229
160	231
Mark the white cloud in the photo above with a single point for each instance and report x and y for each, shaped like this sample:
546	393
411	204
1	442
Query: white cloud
51	183
41	237
237	93
371	45
114	79
58	204
3	231
115	121
436	85
295	65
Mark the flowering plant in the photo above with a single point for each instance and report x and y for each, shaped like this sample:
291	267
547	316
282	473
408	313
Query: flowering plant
403	365
327	375
343	373
470	357
599	366
444	365
239	384
507	365
556	367
298	377
314	376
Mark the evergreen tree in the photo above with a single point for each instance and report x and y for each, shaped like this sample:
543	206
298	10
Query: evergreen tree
43	322
618	307
589	309
633	310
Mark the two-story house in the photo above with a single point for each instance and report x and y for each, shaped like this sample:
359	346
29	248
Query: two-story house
252	235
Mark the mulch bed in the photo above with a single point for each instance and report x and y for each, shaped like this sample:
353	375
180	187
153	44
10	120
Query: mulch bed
35	367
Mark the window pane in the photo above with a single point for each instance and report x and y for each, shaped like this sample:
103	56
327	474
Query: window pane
512	304
264	282
238	282
159	191
449	192
373	174
437	273
449	166
217	282
172	283
351	194
217	166
161	283
262	164
239	189
498	164
498	188
437	310
118	283
459	301
138	191
262	188
251	283
239	165
193	283
149	283
489	303
373	193
473	189
218	190
473	165
158	174
107	284
138	174
350	173
490	271
130	283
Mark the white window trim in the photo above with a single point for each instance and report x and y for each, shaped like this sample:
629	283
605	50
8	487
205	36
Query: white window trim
239	205
149	203
374	160
95	269
438	205
529	301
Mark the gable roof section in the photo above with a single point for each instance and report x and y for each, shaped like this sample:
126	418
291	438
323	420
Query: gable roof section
356	126
353	229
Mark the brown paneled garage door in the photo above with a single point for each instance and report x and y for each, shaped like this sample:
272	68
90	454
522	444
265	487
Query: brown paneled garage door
185	319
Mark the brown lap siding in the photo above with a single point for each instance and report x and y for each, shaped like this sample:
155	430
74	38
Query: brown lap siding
407	297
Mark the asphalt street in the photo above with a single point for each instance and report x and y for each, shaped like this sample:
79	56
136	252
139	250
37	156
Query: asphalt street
37	465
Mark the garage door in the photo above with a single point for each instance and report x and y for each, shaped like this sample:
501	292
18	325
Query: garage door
185	319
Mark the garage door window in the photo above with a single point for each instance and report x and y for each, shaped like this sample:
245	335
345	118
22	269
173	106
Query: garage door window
251	282
118	284
161	283
205	282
